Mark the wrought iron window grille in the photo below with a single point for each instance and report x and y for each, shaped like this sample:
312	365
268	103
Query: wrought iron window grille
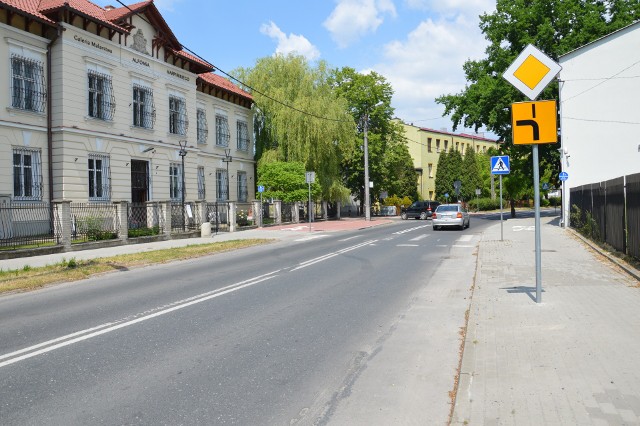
28	90
102	102
99	177
202	127
144	110
243	136
27	174
178	120
222	131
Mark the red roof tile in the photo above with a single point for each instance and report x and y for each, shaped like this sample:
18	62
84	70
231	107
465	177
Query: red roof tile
224	84
28	7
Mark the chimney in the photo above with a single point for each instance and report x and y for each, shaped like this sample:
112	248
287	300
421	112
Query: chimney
109	7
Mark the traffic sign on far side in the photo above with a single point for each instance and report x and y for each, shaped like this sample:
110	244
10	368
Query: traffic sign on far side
563	176
500	165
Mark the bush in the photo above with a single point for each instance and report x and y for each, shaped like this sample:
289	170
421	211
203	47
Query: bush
584	223
484	204
143	232
544	202
555	201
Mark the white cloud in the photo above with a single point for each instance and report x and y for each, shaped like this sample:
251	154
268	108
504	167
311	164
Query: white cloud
428	62
291	43
166	5
352	19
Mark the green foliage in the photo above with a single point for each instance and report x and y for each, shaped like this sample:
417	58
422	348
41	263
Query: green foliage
555	27
286	181
584	223
308	123
92	227
448	171
470	177
143	232
555	201
394	200
485	204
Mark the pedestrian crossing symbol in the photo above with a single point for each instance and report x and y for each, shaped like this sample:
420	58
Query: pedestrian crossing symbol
500	165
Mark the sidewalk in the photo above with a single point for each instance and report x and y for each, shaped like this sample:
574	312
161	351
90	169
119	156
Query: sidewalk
271	232
572	359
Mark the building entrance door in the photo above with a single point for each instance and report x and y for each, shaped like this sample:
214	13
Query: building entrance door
139	193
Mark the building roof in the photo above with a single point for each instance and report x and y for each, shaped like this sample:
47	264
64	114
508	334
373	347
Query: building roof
224	84
598	40
461	135
114	18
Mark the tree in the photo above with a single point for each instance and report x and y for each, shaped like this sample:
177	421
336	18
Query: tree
471	178
298	117
555	27
286	181
368	97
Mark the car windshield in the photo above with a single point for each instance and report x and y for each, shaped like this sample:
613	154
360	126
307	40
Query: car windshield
447	209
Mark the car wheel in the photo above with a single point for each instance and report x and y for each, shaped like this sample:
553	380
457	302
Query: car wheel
469	223
435	228
403	216
423	216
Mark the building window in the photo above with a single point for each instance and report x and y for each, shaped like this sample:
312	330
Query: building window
243	192
178	121
27	84
222	130
446	145
144	111
438	146
221	185
429	145
99	189
243	136
202	128
484	149
430	166
202	193
461	148
102	104
175	182
27	174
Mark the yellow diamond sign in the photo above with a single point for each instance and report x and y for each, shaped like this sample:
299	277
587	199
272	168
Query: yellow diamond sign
531	72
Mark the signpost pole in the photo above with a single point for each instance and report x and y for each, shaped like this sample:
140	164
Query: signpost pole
536	196
501	230
309	210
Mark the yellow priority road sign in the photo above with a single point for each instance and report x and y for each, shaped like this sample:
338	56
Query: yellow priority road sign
534	122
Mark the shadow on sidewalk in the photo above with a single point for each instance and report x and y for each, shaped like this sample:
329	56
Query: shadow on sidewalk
529	291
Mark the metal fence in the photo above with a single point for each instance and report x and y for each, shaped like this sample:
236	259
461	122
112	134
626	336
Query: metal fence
94	222
218	216
286	213
186	219
28	226
145	219
612	209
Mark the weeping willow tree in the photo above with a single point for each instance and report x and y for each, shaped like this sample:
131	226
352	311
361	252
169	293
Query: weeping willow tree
298	117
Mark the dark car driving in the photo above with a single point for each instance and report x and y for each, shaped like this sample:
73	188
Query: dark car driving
419	210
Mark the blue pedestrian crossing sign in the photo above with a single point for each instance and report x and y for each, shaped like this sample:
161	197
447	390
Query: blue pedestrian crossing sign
500	165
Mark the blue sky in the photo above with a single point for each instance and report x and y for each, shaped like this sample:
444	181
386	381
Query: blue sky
419	46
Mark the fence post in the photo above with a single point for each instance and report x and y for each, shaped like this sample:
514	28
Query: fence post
232	216
295	214
256	206
166	213
325	210
277	206
64	209
122	212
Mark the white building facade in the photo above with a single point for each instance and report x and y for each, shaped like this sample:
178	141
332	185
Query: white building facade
99	105
599	118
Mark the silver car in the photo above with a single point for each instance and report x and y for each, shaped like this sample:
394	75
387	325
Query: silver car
451	215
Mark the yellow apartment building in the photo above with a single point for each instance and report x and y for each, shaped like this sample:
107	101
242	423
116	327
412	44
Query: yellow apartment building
425	146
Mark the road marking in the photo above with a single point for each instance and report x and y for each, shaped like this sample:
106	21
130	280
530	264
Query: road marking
404	231
465	238
461	246
350	238
312	237
419	237
524	228
79	336
407	245
330	255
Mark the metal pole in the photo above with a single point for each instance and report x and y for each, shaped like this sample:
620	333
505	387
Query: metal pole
309	209
367	212
501	230
536	195
183	221
182	153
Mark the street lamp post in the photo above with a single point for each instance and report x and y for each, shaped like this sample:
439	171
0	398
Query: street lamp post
182	153
227	159
367	210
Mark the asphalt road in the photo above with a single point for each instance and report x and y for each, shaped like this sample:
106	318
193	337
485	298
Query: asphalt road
298	331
